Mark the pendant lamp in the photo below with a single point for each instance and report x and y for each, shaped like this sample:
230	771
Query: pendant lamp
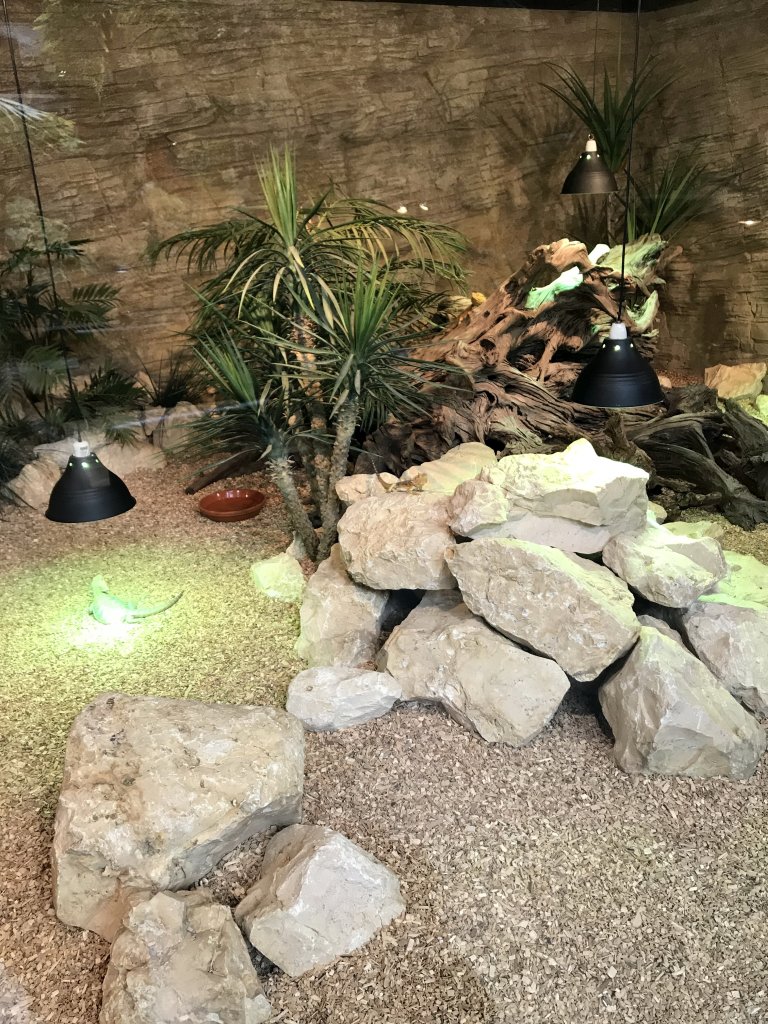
590	174
87	491
619	377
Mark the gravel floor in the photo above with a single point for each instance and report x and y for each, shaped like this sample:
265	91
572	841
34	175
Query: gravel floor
542	884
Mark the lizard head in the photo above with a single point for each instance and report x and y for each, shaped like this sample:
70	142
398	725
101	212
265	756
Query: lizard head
99	586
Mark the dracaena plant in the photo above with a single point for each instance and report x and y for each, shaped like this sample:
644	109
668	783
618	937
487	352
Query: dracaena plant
305	328
353	364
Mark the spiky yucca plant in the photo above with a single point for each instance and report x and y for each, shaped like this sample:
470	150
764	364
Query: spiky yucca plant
306	325
670	199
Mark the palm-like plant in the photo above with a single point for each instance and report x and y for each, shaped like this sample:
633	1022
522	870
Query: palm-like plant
35	329
305	327
355	365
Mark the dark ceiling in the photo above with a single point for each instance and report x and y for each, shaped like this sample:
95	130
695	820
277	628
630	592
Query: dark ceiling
629	6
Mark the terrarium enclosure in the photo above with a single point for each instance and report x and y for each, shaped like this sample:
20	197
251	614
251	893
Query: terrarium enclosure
383	511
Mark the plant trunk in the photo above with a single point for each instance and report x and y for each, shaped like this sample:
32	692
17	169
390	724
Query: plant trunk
346	421
282	475
307	452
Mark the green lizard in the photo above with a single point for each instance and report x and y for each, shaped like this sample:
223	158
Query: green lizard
110	610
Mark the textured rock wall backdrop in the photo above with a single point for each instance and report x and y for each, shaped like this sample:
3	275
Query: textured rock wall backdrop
717	301
176	102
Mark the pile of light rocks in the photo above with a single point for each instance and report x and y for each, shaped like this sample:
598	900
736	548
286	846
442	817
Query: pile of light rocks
503	583
155	793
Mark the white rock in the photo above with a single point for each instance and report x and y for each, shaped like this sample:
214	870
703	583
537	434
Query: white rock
363	485
337	697
340	620
443	654
32	487
181	957
665	568
279	577
658	512
151	418
662	626
574	484
477	506
698	529
670	716
174	430
461	463
746	583
558	604
122	459
742	381
732	642
157	791
397	542
320	897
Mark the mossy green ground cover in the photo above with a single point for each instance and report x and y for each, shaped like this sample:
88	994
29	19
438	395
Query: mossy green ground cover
221	642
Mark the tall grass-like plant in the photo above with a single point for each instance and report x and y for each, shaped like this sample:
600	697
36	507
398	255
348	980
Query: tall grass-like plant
669	200
608	115
305	327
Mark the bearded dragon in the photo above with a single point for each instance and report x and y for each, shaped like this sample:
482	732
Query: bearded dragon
110	610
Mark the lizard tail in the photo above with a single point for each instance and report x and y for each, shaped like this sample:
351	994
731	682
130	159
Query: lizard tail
143	613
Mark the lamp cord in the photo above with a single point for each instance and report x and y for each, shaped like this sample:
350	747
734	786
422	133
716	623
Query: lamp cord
627	196
594	58
40	214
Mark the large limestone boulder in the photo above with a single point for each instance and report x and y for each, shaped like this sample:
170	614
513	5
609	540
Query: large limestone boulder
443	654
175	428
397	542
574	500
732	641
444	475
555	603
363	485
320	897
670	716
336	697
157	791
279	577
742	381
181	957
32	487
669	569
696	528
340	620
122	459
746	583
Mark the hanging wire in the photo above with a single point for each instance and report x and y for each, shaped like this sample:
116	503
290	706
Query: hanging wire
594	58
55	311
627	195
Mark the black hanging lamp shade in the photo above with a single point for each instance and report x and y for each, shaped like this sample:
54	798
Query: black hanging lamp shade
590	175
618	377
87	491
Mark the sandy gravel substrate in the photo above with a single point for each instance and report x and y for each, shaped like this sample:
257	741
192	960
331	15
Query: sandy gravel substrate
542	884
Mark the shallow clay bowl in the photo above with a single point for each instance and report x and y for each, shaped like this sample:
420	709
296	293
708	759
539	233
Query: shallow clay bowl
233	505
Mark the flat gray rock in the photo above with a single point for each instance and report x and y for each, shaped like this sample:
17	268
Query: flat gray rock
444	654
181	957
557	604
320	897
732	641
397	542
670	570
157	791
336	697
340	619
670	716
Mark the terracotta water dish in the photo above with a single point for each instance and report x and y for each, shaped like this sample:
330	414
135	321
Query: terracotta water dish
232	505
